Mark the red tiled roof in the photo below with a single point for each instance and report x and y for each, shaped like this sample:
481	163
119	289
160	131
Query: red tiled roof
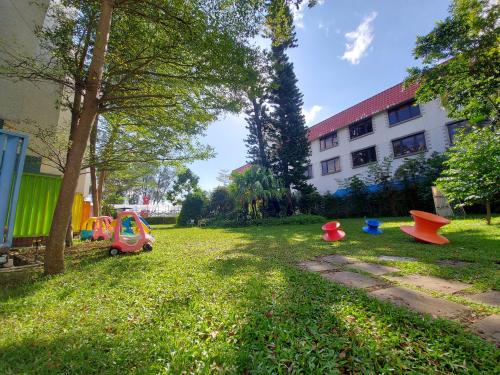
377	103
243	168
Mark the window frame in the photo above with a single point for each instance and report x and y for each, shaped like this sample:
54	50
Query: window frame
456	124
329	135
336	158
361	122
398	107
405	137
364	149
309	169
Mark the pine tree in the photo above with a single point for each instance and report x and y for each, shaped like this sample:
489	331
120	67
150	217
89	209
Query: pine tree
257	122
289	146
257	112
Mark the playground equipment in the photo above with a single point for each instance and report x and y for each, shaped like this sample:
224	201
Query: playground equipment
12	155
123	241
97	228
372	226
333	231
426	227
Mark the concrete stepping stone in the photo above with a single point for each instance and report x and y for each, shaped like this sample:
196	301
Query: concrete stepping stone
314	266
453	263
430	283
420	302
337	259
375	269
391	258
352	279
490	298
488	328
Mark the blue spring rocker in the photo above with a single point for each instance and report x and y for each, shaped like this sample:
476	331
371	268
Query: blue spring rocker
372	227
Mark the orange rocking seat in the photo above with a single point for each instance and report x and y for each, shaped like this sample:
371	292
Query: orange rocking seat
426	227
332	231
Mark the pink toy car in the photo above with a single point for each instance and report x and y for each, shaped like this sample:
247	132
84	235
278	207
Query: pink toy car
103	229
130	243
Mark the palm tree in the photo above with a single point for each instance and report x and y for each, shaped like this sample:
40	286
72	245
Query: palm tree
254	188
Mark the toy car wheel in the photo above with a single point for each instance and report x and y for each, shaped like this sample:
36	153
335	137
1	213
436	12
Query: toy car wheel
147	247
114	251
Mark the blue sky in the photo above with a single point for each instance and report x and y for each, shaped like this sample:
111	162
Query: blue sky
348	51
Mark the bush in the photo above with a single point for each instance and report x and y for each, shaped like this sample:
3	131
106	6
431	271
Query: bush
288	220
161	220
192	208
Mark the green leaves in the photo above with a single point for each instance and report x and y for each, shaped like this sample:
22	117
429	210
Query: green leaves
472	173
461	61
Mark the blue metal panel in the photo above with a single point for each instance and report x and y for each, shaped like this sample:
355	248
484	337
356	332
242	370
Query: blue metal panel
12	154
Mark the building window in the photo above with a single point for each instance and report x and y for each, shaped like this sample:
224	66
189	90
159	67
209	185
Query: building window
328	141
330	166
453	127
365	156
403	112
409	145
309	171
361	128
32	164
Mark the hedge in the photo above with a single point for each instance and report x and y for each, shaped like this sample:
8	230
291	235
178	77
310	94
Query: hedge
288	220
161	220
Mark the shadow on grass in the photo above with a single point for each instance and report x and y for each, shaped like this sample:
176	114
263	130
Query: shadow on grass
243	308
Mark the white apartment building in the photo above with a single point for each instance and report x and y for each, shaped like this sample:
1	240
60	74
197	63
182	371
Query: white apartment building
388	124
27	107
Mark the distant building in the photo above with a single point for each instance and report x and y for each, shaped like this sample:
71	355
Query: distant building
389	123
242	169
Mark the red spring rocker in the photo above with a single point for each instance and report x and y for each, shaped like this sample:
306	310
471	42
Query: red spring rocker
426	227
333	231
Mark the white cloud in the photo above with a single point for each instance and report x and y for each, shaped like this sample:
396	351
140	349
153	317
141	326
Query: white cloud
298	13
359	40
310	115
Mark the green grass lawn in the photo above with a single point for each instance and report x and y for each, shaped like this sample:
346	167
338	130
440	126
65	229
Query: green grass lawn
233	301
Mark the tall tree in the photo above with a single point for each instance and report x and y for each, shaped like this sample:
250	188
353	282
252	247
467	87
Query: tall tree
461	61
139	58
290	148
257	112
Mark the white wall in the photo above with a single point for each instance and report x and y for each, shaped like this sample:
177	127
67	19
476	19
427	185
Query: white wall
27	106
433	121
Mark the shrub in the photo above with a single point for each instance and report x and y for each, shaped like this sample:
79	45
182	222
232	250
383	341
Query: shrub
221	202
192	208
161	220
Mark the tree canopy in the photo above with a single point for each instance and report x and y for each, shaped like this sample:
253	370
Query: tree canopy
472	169
461	61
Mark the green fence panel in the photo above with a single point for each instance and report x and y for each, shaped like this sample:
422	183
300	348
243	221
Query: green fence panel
35	207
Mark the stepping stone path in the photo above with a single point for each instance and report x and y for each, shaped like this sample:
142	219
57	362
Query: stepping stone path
391	258
353	279
453	263
374	269
490	298
334	268
431	283
421	302
314	266
338	259
488	328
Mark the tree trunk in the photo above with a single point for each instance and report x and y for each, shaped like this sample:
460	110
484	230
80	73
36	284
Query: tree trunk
93	176
100	187
54	254
488	212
